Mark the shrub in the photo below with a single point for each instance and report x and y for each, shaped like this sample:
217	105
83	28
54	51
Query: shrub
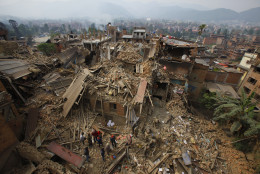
47	48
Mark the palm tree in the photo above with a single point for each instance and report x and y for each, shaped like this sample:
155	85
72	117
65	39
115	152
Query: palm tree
240	112
201	29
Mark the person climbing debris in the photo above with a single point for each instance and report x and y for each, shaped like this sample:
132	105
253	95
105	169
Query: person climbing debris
113	140
103	153
90	140
95	135
86	153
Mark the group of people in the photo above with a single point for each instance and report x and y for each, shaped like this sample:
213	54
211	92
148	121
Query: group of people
97	136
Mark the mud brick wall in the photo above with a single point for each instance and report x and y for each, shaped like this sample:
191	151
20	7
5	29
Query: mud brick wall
210	41
7	137
120	110
224	77
8	47
177	67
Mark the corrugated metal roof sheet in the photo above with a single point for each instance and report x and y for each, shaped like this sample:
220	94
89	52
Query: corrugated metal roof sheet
74	91
14	68
141	90
66	154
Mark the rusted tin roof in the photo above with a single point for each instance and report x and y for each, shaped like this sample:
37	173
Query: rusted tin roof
14	68
141	91
66	154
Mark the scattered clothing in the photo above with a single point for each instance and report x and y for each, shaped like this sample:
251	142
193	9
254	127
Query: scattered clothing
129	140
82	137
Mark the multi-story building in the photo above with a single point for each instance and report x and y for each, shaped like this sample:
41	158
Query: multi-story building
251	82
246	63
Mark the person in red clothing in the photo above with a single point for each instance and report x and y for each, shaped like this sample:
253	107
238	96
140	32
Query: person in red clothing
94	134
99	134
113	140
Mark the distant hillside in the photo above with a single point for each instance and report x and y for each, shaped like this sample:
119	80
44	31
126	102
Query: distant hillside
157	11
217	15
252	15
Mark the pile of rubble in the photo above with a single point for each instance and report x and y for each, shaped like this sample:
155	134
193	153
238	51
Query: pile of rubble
26	53
166	137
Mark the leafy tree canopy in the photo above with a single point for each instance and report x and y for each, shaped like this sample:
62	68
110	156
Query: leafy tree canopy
47	48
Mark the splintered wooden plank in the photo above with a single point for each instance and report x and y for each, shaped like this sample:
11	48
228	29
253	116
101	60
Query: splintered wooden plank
159	163
66	154
33	115
114	164
141	91
74	91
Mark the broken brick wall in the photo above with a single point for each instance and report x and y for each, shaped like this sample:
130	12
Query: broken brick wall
7	136
176	52
8	47
109	108
177	67
198	73
210	41
229	78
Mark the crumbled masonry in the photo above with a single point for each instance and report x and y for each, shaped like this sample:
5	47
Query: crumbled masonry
139	92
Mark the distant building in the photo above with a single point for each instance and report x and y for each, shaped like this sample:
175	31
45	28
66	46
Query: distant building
138	34
214	40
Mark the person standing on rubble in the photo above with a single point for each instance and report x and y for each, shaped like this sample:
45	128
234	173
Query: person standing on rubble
89	140
82	137
95	135
86	153
113	140
99	140
103	153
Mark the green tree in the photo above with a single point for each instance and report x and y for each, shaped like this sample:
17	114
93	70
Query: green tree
239	112
47	48
225	33
208	100
219	31
251	31
45	28
201	30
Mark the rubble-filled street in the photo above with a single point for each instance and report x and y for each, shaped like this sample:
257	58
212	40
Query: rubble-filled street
105	106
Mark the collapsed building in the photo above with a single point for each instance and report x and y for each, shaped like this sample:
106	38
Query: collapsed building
138	91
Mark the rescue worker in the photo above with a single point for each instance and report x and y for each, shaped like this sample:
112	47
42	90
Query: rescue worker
86	153
113	140
90	140
103	153
99	140
95	135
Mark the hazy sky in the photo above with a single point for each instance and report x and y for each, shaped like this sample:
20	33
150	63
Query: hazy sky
81	8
